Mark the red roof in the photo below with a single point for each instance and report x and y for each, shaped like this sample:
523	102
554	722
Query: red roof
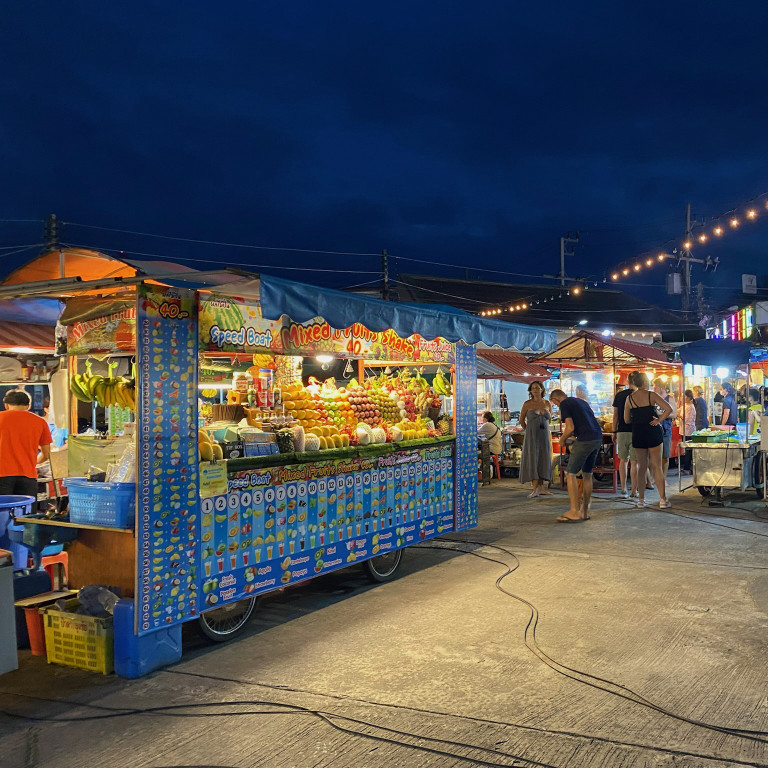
515	365
585	347
37	337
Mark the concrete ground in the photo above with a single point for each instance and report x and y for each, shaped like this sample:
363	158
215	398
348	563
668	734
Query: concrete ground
637	638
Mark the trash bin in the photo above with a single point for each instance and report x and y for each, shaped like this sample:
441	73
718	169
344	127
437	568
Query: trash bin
9	659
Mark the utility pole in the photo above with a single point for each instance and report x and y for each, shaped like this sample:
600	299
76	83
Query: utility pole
570	237
686	259
385	275
51	234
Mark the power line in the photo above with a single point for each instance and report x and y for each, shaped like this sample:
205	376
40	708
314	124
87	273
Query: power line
213	242
228	263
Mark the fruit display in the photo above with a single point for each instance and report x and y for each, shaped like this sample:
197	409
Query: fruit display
380	409
209	451
104	390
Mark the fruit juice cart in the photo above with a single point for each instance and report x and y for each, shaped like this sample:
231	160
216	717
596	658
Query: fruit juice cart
211	535
723	458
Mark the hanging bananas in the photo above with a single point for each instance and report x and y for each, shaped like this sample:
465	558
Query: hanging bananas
103	391
441	385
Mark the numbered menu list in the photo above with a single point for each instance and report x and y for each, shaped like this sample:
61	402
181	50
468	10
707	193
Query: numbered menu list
168	502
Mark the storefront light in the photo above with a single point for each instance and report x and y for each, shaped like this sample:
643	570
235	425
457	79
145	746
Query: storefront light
324	359
25	350
721	372
606	332
582	322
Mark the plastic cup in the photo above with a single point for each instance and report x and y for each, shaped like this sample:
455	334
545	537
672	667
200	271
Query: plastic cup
220	564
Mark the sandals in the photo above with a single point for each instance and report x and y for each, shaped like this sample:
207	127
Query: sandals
640	503
665	504
564	519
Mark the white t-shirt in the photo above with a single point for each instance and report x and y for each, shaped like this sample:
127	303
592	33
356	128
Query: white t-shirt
493	434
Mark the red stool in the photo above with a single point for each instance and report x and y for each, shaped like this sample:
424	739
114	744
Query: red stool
60	563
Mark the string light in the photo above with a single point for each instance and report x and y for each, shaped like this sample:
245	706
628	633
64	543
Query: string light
625	271
734	222
687	245
577	290
702	238
637	267
751	213
648	262
718	230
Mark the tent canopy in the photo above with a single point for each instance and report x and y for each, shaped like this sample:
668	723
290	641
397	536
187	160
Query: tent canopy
508	366
585	348
303	302
724	353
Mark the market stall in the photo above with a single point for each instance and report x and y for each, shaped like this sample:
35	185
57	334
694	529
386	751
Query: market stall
503	377
723	457
280	432
595	366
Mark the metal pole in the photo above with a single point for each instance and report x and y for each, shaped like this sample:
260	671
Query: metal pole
686	256
562	261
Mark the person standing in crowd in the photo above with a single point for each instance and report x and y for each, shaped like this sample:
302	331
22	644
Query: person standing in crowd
581	393
661	388
689	426
640	410
23	435
536	459
702	417
730	409
622	435
578	421
754	412
491	432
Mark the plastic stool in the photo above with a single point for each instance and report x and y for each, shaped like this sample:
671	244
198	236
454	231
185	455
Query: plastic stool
59	563
495	462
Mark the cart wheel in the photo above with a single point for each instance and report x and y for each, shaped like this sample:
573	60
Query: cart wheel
758	480
704	490
225	623
383	568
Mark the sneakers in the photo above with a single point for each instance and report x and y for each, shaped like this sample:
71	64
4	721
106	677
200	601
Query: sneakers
665	504
635	495
625	494
640	503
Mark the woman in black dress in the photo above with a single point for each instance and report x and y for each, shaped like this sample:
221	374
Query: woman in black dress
645	411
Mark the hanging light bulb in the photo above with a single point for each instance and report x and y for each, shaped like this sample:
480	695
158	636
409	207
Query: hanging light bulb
660	257
637	267
648	262
734	222
687	245
702	238
577	290
625	271
718	230
525	306
751	213
615	276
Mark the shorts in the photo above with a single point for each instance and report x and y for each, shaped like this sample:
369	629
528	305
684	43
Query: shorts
624	449
666	442
583	456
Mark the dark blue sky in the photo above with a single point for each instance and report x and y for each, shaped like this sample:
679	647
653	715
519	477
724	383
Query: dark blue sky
474	134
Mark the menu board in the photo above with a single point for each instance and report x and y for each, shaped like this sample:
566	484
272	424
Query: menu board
465	392
286	524
168	499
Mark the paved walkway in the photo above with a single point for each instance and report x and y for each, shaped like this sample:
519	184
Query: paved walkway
637	638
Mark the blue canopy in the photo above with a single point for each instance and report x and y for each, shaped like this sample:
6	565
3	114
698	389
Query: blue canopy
303	302
718	353
38	311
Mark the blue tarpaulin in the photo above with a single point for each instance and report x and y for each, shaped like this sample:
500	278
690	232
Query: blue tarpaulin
302	302
37	311
718	353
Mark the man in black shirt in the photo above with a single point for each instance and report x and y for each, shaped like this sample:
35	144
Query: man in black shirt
622	435
730	410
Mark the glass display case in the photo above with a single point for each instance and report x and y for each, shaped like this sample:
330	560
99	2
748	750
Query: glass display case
597	387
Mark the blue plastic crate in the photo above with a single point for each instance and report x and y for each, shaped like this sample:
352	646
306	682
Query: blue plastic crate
109	504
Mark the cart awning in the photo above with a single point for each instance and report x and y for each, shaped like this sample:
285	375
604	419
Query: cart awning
587	348
303	302
509	366
24	337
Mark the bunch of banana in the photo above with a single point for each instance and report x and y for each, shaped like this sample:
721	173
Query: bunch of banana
263	360
103	391
442	385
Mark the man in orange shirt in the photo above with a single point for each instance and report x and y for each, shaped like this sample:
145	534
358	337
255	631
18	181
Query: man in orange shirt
22	435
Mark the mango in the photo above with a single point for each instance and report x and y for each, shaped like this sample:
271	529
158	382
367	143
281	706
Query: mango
206	452
218	454
203	436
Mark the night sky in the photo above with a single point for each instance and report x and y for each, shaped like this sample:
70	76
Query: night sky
471	134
